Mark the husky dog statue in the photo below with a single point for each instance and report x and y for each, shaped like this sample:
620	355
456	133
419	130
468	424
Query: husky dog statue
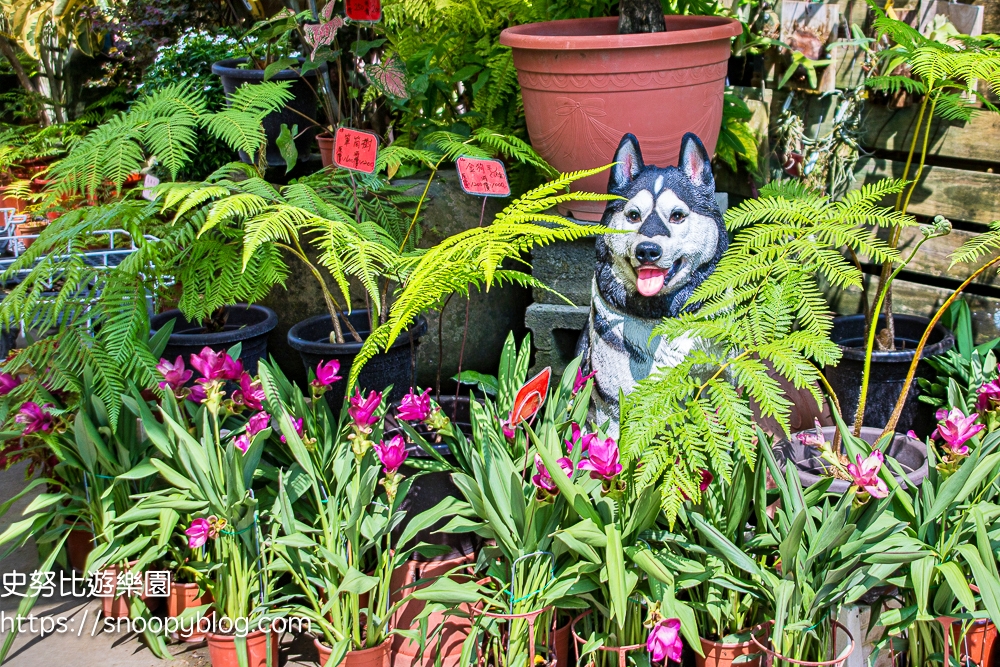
675	237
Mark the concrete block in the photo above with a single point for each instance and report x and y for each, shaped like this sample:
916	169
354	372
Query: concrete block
857	620
555	330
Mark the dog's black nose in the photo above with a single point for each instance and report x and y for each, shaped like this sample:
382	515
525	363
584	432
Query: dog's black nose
648	252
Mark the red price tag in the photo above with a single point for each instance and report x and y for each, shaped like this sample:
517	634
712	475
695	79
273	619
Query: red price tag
363	10
486	178
355	150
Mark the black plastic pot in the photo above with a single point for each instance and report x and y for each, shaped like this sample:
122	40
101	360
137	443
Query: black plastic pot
888	371
430	488
311	339
248	325
303	101
910	453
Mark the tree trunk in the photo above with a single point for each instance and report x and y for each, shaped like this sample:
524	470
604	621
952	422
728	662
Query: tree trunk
7	49
635	16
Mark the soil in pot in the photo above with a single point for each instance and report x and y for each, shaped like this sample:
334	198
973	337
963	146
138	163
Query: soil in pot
396	367
720	654
186	596
888	371
245	324
222	650
910	453
584	86
377	656
303	101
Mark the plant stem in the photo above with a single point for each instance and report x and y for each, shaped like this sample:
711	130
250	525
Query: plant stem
923	156
897	411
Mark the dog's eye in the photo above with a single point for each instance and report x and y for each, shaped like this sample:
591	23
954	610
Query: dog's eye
633	215
677	216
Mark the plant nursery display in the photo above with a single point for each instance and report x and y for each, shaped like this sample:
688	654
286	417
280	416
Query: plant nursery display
228	232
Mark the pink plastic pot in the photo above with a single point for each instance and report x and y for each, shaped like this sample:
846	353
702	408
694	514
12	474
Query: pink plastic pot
584	86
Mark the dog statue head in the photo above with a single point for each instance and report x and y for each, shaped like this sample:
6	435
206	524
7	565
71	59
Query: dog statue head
675	233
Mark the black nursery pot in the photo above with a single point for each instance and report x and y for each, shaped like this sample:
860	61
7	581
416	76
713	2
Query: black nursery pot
303	101
888	371
311	339
430	488
248	325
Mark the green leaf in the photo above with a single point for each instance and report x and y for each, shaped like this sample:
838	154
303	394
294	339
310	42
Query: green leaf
278	66
616	574
286	146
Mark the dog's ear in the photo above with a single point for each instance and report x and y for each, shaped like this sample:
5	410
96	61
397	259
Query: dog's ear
695	162
628	163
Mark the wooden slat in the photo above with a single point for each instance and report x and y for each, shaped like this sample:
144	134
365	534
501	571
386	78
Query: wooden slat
892	129
971	196
913	299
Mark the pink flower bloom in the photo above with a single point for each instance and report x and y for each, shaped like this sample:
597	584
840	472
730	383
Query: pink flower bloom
989	395
362	410
664	641
232	369
865	474
297	425
242	442
603	462
956	429
197	394
508	430
34	418
212	365
326	373
415	407
198	532
250	393
7	383
706	479
258	423
391	454
581	380
941	413
912	434
543	480
175	375
578	438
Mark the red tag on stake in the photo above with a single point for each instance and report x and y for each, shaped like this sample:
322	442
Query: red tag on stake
355	150
486	178
363	10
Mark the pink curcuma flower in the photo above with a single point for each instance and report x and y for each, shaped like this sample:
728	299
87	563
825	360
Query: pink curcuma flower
989	395
198	532
543	480
581	380
664	641
415	407
197	394
34	417
297	425
865	474
250	393
175	375
509	431
326	373
603	459
578	438
706	479
362	410
7	383
391	454
216	365
956	429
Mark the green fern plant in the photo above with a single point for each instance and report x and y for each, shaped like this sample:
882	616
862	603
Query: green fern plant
763	312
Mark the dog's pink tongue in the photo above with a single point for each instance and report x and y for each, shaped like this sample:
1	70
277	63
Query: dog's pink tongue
650	280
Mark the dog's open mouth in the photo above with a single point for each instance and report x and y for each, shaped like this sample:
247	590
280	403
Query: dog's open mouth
649	279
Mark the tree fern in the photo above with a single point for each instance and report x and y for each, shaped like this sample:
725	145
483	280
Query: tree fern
761	314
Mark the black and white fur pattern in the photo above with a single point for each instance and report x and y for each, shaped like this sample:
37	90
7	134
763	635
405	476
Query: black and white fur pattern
675	230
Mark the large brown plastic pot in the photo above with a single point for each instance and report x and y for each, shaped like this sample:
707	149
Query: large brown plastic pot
584	86
718	654
377	656
186	596
222	650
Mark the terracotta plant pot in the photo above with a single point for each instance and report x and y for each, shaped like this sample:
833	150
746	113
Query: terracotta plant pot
978	646
222	650
377	656
118	606
778	659
454	629
27	232
185	596
79	544
584	86
561	641
718	654
326	143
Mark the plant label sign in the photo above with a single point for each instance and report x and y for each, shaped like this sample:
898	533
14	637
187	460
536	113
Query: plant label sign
485	178
148	184
355	150
363	10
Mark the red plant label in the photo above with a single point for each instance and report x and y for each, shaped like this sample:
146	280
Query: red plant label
486	178
355	150
363	10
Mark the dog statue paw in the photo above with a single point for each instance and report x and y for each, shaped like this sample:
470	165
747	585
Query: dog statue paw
673	238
